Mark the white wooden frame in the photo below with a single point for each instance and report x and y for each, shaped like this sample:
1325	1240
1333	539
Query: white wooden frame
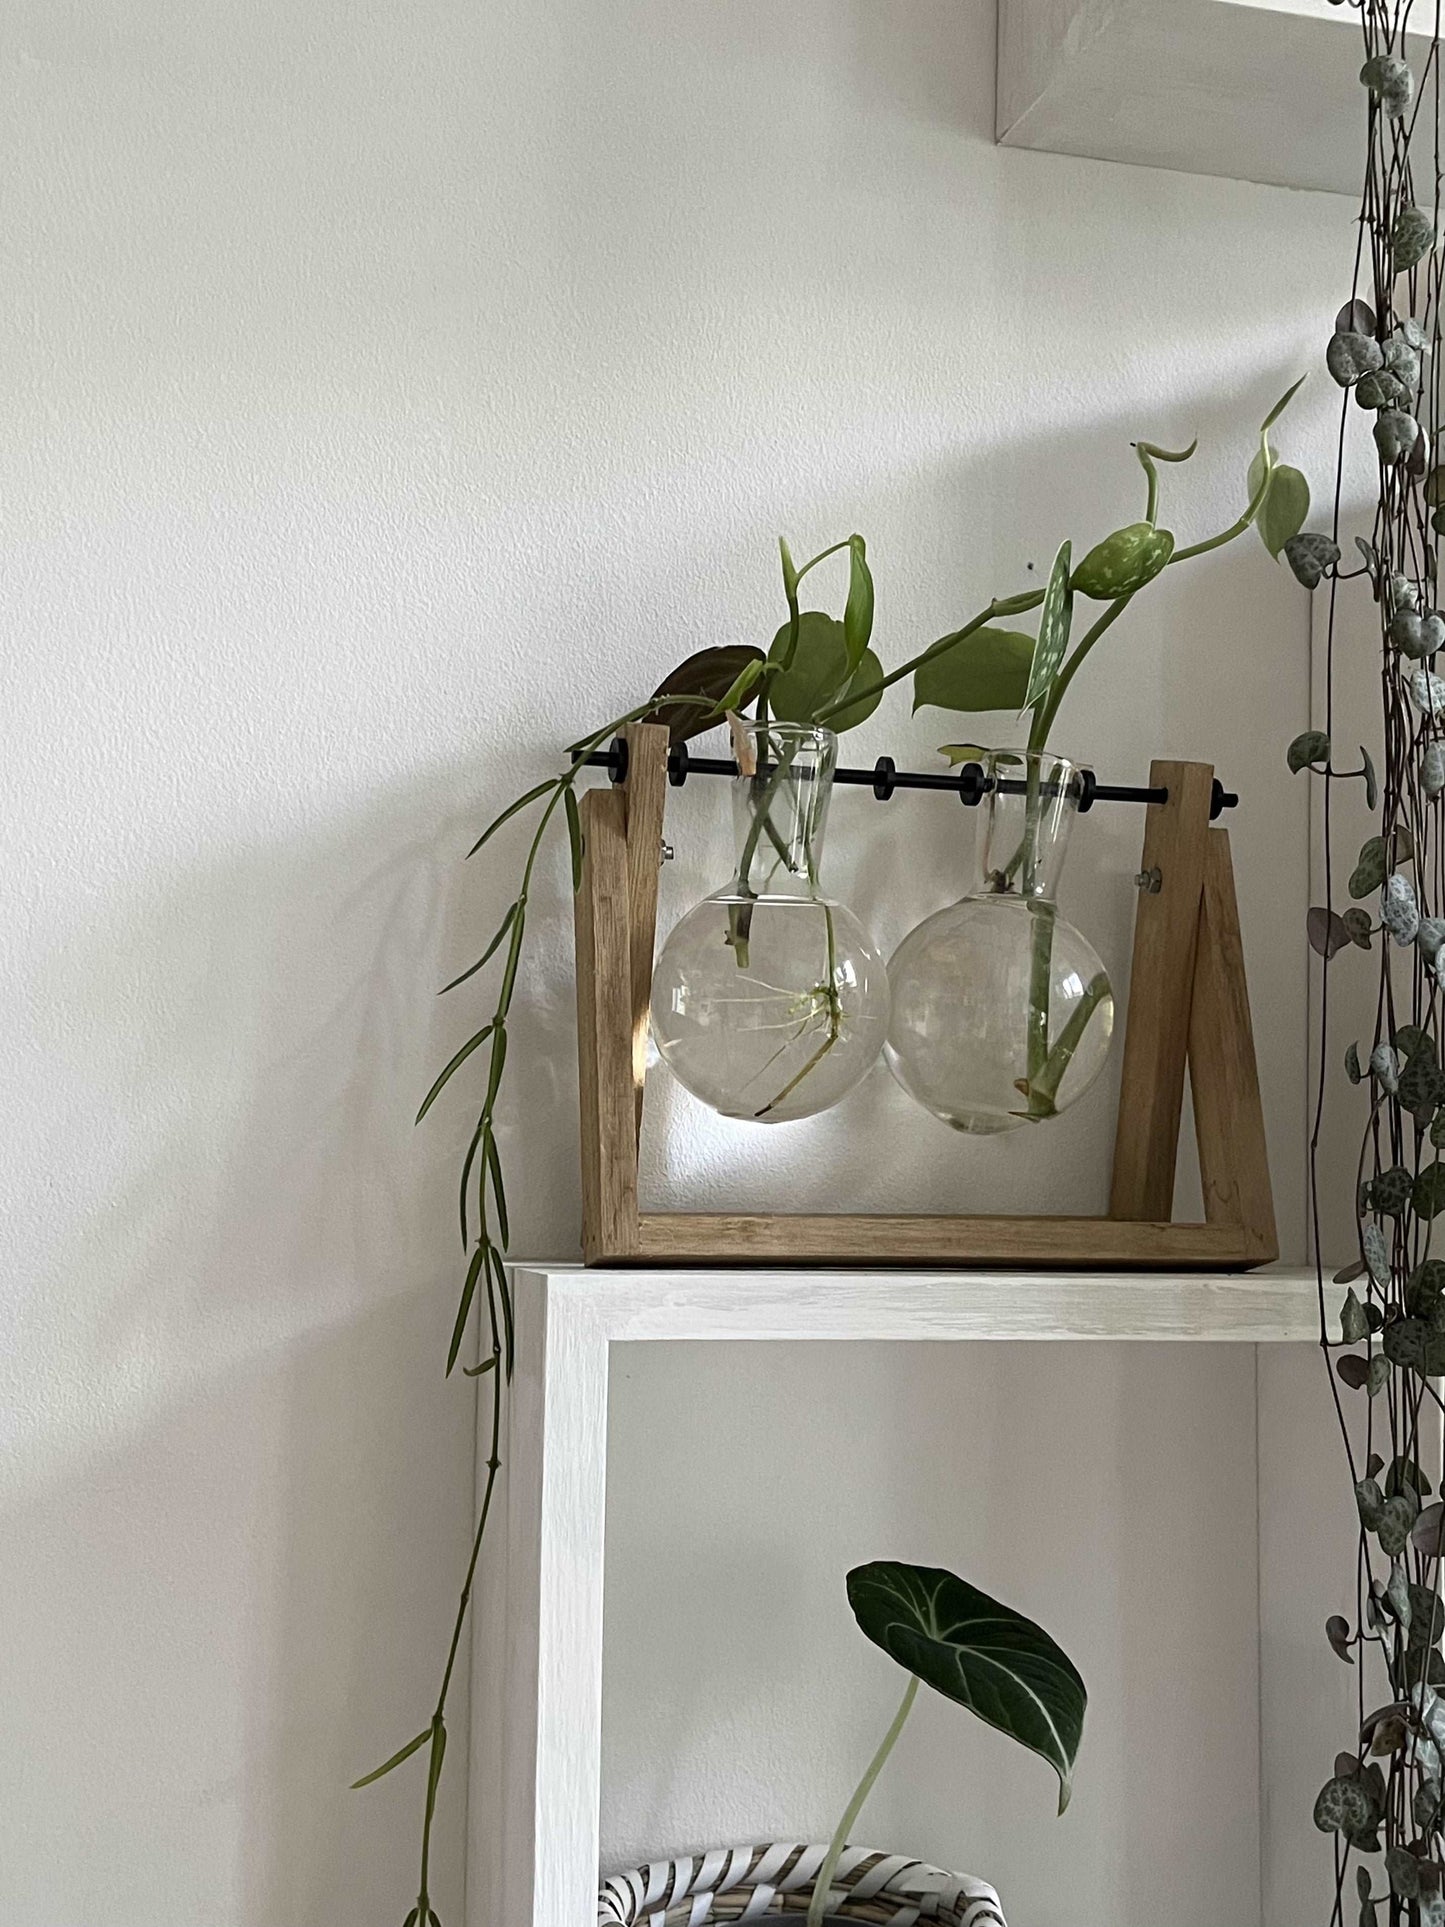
537	1665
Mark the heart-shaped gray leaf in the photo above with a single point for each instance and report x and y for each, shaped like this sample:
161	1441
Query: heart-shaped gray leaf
1399	911
1311	746
1370	868
1427	692
1377	1261
1309	556
1411	238
1327	931
1432	769
978	1652
1396	432
1357	317
1343	1804
1351	355
1354	1326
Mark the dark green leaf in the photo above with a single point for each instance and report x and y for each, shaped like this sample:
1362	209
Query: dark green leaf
1342	1803
979	1652
403	1753
1358	927
709	675
1055	617
537	789
1327	931
1307	749
477	1371
1428	1195
1354	1326
858	614
987	670
1309	556
574	837
1369	871
461	1057
1337	1632
1390	1191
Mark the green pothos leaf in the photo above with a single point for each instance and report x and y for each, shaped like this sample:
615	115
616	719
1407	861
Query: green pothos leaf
987	670
1055	618
1286	508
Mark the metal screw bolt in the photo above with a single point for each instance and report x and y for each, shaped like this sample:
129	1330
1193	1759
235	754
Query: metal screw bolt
667	853
1151	882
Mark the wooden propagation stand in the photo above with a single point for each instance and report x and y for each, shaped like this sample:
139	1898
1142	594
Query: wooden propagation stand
1188	1003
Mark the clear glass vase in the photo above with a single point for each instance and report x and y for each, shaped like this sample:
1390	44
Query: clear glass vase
769	999
1002	1012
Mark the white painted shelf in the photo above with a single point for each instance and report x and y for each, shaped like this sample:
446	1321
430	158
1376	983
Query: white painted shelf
540	1842
1259	90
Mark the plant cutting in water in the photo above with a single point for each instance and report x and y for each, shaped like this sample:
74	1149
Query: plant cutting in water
819	673
976	1652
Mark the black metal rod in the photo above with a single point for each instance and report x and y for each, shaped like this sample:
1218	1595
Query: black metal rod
969	783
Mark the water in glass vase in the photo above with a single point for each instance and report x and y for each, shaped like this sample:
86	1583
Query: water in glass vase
769	999
1001	1010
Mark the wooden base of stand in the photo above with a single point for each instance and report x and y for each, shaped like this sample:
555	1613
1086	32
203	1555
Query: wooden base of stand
1188	1006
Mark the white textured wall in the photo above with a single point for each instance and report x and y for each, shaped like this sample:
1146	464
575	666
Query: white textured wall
387	391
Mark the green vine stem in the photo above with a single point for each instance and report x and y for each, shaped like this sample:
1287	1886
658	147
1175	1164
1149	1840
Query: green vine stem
823	1884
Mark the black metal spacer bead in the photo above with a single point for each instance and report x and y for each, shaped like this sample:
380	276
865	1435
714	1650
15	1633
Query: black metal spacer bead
1220	800
677	763
885	773
972	785
1088	788
615	761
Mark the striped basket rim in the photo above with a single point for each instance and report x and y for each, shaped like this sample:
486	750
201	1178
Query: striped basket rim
756	1883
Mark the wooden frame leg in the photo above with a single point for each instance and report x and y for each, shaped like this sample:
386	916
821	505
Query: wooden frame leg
1223	1072
1156	1040
604	1051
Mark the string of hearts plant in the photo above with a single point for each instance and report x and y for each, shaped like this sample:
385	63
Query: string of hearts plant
819	670
1381	1805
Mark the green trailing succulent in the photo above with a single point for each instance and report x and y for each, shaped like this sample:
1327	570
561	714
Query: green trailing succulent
1384	1342
821	670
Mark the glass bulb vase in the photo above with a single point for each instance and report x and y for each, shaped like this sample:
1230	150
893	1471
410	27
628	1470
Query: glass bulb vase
769	999
1002	1012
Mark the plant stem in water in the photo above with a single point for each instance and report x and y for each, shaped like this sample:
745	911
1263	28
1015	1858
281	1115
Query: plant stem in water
821	1885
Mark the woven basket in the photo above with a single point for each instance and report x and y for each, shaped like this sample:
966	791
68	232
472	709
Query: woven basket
756	1883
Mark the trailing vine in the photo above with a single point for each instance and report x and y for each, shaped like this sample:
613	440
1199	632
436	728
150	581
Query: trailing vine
1385	1348
819	670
